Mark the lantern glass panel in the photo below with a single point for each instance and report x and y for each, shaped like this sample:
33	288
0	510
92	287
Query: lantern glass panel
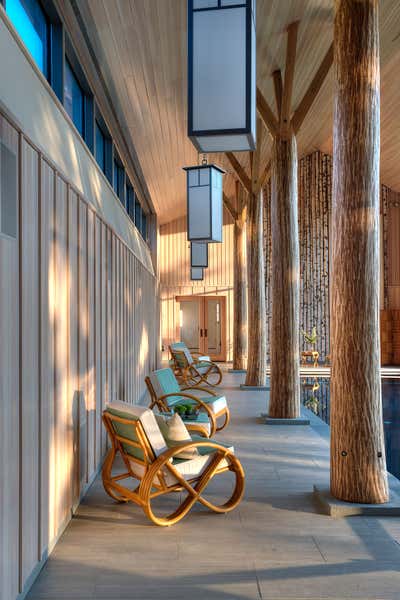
196	273
198	254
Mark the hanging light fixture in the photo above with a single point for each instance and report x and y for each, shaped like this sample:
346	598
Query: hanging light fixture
198	254
196	273
222	75
204	203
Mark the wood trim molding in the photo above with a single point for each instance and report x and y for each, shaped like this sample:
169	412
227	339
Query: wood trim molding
289	76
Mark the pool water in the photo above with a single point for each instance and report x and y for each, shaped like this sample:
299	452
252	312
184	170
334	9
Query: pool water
315	396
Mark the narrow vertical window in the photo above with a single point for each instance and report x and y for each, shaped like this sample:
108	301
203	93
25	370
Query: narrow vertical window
100	148
74	98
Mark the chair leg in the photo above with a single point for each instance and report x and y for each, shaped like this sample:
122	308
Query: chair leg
226	420
107	477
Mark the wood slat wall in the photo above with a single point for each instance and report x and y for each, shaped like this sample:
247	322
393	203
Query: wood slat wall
174	273
77	328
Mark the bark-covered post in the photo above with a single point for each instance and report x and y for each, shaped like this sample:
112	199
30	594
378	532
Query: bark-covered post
284	344
240	285
256	361
358	467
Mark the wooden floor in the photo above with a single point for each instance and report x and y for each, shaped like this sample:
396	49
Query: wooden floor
275	546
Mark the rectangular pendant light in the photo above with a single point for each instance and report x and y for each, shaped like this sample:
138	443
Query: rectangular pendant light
196	273
222	75
204	203
198	254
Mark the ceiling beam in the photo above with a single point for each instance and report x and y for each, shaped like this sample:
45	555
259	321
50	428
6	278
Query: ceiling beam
312	92
239	170
256	159
266	113
289	76
230	208
264	176
277	79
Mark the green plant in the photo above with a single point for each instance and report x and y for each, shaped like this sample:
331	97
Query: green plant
310	338
312	403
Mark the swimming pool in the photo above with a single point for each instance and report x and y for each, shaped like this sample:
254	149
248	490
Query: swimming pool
315	396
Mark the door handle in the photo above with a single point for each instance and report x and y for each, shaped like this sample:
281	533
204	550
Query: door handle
201	333
205	333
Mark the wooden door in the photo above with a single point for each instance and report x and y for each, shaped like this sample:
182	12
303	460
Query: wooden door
202	324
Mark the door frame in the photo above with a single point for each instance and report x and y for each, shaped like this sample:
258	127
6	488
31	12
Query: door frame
221	357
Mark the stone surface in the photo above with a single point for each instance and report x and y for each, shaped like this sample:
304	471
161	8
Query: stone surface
276	545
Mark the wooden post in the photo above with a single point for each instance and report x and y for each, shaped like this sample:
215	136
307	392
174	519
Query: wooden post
358	467
256	361
240	280
284	343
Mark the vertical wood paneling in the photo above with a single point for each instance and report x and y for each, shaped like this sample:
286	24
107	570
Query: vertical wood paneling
70	334
174	266
73	389
83	344
62	422
46	319
91	335
29	359
9	394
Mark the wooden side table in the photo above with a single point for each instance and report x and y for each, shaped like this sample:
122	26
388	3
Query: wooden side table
313	354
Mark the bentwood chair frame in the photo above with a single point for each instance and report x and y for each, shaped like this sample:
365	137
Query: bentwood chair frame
153	482
161	401
194	373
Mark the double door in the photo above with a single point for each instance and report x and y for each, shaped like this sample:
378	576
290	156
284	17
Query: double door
202	324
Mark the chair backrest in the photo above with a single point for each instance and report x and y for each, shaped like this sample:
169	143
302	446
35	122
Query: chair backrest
116	415
181	354
163	381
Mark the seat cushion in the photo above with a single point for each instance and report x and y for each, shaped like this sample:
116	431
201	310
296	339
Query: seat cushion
191	469
149	424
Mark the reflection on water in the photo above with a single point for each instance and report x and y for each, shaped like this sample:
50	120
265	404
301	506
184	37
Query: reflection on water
315	396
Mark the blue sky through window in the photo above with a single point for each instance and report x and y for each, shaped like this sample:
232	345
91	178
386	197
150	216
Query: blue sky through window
33	37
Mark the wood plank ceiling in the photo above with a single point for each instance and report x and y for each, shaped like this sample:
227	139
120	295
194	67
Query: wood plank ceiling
141	47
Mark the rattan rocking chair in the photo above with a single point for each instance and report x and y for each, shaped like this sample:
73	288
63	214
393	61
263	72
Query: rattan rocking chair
135	436
166	393
192	371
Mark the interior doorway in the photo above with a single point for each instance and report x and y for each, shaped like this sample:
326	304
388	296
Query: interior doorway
202	324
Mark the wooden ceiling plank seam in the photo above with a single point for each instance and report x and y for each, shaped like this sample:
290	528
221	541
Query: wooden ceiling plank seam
312	91
290	64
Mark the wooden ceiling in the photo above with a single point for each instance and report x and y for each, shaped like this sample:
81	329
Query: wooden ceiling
141	48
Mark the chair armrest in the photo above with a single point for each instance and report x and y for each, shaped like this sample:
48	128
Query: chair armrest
199	402
201	389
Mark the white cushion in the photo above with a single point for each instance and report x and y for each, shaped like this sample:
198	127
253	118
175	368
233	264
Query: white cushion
175	432
193	468
148	421
207	358
216	404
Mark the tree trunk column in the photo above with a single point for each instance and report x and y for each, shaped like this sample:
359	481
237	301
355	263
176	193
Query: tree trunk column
284	344
240	292
256	361
358	466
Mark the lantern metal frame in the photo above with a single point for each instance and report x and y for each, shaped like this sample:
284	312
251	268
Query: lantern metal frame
192	278
205	265
203	166
193	134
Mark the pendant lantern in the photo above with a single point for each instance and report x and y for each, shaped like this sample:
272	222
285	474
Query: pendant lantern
204	203
222	75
